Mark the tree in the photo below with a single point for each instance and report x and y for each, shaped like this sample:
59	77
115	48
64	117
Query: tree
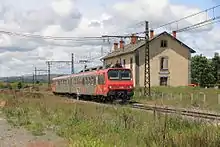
19	85
202	71
216	68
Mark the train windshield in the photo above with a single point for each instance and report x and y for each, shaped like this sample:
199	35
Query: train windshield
119	74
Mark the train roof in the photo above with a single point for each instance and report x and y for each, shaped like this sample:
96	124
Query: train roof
87	71
61	77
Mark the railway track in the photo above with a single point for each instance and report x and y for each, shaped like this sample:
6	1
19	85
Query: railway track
179	111
183	112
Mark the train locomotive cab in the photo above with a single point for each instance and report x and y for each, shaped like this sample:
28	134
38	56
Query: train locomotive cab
120	83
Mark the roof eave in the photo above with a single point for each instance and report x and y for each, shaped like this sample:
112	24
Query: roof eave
192	51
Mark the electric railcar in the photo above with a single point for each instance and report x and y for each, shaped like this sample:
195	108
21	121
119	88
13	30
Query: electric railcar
110	84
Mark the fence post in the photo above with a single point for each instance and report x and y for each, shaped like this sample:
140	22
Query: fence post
191	98
77	90
162	96
218	98
204	98
171	95
152	95
181	96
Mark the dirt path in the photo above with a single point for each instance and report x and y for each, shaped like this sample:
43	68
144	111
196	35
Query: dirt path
12	137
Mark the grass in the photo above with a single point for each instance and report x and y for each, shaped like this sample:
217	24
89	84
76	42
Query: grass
93	125
187	97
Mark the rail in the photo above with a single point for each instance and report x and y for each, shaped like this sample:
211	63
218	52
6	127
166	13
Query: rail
203	115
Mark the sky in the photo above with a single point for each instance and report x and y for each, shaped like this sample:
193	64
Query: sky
77	18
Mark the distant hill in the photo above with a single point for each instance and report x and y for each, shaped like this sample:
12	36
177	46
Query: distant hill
28	79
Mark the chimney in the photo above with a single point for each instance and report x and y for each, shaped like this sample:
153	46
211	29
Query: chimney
174	34
115	46
133	39
121	44
151	34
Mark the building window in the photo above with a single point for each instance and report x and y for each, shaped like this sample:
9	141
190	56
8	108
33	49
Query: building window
131	63
163	43
124	62
164	63
163	81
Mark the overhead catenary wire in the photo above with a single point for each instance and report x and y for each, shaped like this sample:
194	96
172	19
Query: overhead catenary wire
201	24
183	18
82	38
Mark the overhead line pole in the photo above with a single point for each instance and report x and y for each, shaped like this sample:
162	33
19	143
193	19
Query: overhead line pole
35	73
147	86
48	64
72	64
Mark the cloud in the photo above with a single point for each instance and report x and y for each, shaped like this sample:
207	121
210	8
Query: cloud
64	18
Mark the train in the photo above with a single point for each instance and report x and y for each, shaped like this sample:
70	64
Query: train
102	83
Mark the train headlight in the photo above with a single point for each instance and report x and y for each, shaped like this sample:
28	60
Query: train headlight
130	87
110	87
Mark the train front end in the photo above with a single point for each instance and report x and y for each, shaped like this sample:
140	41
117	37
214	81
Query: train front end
120	84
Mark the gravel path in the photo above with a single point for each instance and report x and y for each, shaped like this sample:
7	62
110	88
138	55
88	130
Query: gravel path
12	137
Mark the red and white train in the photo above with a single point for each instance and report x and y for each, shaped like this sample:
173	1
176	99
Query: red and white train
107	84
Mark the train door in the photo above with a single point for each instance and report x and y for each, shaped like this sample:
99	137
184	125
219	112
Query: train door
70	85
100	84
54	85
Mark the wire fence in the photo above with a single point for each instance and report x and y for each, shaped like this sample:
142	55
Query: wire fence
203	99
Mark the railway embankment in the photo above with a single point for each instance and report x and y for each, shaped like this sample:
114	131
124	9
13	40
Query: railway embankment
85	123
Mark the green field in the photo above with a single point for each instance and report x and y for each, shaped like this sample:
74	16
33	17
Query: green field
86	124
187	97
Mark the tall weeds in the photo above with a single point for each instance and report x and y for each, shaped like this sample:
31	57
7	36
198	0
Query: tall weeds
96	125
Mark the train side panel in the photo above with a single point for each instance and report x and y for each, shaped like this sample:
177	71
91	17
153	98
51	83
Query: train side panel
101	88
76	85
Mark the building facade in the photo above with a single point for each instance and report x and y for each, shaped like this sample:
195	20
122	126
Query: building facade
169	59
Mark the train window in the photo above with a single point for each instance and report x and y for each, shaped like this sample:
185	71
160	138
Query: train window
93	80
83	80
125	74
87	80
119	74
113	74
90	80
101	79
74	80
77	80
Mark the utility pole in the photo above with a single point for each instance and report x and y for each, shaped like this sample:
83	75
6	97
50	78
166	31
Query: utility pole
72	64
33	79
147	88
35	74
48	64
